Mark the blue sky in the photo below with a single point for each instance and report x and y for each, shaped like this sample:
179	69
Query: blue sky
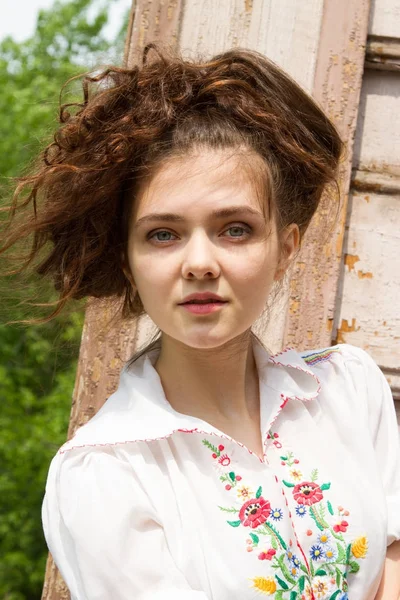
18	17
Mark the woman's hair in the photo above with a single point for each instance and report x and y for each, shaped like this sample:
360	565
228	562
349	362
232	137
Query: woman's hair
74	210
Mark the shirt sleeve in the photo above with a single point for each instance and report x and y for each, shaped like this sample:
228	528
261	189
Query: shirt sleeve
368	378
103	533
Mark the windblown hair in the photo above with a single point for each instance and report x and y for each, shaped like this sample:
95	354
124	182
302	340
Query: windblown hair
74	209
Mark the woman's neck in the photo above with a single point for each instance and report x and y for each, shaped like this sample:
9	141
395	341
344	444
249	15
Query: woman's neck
218	385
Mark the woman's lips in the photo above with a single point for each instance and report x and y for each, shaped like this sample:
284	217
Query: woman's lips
203	308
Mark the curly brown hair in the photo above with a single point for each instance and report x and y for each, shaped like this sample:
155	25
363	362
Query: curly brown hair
75	207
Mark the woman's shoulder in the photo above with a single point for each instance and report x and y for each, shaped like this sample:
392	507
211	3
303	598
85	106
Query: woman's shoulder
342	361
339	354
351	373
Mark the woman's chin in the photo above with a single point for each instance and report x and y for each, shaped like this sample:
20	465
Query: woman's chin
207	340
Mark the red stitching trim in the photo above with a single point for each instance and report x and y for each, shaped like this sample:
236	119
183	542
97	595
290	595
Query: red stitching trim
278	482
287	349
307	373
195	430
61	451
284	402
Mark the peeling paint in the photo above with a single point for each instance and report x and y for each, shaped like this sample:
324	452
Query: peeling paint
115	363
345	328
96	370
294	306
364	275
350	260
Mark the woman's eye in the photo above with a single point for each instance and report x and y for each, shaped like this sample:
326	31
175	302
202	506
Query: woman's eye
236	231
162	236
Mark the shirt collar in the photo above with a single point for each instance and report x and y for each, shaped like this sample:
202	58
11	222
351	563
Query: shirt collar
139	410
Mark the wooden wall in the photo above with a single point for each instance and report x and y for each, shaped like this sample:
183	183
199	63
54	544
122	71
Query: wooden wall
344	288
368	303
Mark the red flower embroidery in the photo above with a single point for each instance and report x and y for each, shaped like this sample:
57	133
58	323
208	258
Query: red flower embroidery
267	555
254	512
342	526
307	493
224	460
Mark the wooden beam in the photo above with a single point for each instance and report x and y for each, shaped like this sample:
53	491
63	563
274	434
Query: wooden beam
383	53
337	86
374	181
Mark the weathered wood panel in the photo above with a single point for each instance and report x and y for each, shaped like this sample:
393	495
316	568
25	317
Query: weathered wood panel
369	314
385	18
151	21
337	86
368	307
286	31
377	144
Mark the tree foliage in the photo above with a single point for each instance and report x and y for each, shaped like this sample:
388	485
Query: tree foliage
37	363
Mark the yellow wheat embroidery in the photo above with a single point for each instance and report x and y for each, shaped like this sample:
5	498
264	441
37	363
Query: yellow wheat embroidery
359	547
265	585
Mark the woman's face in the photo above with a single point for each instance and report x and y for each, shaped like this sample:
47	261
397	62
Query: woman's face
197	227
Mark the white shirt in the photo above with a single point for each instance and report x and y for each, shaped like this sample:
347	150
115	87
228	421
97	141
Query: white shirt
148	503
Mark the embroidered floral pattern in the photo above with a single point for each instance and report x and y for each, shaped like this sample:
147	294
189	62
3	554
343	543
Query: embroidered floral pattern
319	574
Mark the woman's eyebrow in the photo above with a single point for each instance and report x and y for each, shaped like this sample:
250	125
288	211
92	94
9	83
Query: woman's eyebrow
220	213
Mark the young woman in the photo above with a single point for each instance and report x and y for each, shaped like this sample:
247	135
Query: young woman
216	471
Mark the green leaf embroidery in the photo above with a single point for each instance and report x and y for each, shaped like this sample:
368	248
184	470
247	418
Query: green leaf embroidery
259	492
342	554
234	523
322	512
312	568
274	543
229	510
330	569
354	567
255	538
304	569
286	572
275	533
302	584
338	577
283	457
293	595
314	475
290	485
325	486
278	595
320	572
338	536
281	583
313	515
330	507
232	476
211	446
348	551
335	595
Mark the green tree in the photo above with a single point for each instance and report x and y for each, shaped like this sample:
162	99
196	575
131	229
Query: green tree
37	363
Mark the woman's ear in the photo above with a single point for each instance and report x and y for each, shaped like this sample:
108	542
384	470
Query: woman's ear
289	245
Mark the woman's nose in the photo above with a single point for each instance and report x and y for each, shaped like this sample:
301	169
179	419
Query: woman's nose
199	259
